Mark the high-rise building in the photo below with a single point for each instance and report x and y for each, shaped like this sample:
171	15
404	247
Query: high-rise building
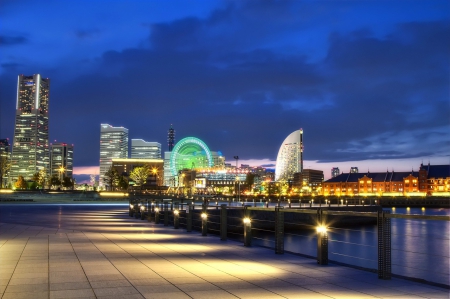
335	172
113	144
171	138
30	151
141	149
61	159
354	170
290	156
5	156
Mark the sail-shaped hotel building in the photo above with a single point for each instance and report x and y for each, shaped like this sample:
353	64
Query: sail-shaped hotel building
290	157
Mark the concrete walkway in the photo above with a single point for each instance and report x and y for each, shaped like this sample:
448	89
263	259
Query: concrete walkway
110	255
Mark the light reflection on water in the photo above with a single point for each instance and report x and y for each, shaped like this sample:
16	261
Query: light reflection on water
420	248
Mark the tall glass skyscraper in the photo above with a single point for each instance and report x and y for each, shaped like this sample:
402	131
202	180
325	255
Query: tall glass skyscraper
113	144
30	150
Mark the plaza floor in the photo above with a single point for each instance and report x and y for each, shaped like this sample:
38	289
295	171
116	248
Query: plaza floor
106	254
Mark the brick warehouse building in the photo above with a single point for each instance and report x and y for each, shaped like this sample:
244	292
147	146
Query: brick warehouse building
429	180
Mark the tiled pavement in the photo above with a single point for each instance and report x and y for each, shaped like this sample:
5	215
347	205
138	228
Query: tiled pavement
128	258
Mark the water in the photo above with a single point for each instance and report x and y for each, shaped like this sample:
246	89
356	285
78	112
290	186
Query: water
420	248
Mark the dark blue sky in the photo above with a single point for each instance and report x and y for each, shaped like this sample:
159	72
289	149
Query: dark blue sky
366	80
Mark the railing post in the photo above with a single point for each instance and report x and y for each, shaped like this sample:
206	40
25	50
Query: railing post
149	211
136	210
322	239
143	209
247	228
189	213
166	214
204	217
176	218
130	208
223	222
279	230
384	245
157	215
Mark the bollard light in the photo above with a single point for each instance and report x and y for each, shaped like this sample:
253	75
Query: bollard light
247	220
142	208
176	212
156	210
131	206
321	229
204	216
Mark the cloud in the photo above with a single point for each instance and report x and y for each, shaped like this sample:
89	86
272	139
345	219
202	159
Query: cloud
245	76
12	40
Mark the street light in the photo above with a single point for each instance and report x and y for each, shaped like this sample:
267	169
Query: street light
61	170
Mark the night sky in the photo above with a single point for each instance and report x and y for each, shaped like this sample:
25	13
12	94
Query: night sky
368	81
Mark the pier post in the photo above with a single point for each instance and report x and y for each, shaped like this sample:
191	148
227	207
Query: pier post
223	222
204	221
130	208
384	245
166	214
322	239
189	213
279	230
157	215
149	211
176	218
247	228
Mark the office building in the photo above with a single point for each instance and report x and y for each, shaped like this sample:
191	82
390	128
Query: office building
335	172
5	156
290	157
113	145
141	149
309	181
61	160
30	147
354	170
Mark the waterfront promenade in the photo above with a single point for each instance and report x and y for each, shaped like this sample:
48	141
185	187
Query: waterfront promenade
98	251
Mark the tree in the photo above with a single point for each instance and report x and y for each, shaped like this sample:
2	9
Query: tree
40	177
110	177
54	180
67	182
20	184
123	183
140	174
5	165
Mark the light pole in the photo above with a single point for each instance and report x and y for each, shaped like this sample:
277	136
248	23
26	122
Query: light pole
61	171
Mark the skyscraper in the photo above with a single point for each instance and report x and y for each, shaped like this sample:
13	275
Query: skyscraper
141	149
171	138
61	159
290	156
5	156
335	172
354	170
113	144
30	151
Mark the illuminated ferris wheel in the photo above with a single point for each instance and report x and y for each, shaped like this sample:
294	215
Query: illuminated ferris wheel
190	153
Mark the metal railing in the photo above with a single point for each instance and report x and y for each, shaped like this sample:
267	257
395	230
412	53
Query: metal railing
269	227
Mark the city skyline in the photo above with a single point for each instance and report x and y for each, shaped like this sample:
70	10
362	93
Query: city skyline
367	81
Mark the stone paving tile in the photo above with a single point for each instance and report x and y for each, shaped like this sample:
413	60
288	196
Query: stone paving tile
112	292
216	294
167	295
77	293
69	286
26	295
27	288
253	293
193	287
26	281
